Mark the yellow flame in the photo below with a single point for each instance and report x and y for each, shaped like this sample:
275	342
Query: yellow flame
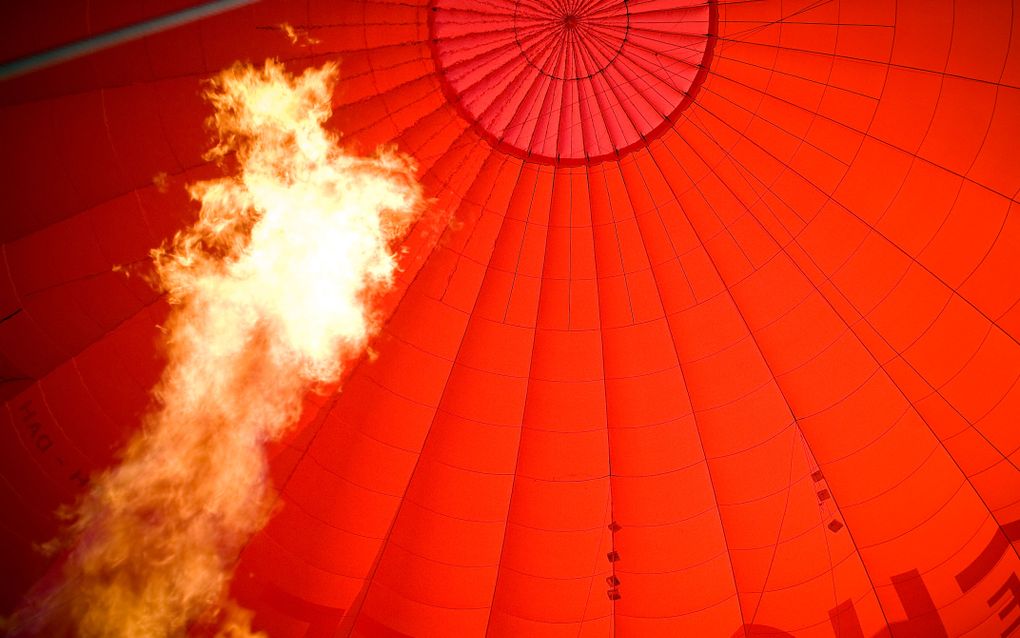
271	291
298	36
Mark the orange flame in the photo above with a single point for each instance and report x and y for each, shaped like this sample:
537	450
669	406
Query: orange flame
298	36
271	292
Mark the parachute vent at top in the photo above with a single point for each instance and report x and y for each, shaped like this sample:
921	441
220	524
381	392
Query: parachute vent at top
574	81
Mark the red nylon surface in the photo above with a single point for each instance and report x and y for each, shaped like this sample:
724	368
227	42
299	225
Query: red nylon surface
776	345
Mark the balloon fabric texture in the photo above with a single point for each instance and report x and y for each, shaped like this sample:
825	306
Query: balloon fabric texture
709	324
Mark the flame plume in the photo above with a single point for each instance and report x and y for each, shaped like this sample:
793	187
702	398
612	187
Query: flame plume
271	291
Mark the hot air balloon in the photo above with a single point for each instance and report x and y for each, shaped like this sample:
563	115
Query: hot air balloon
710	328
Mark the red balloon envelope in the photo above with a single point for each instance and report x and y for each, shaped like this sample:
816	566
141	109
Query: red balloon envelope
720	339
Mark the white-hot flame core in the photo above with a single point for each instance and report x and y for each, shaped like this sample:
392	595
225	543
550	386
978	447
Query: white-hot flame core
272	294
